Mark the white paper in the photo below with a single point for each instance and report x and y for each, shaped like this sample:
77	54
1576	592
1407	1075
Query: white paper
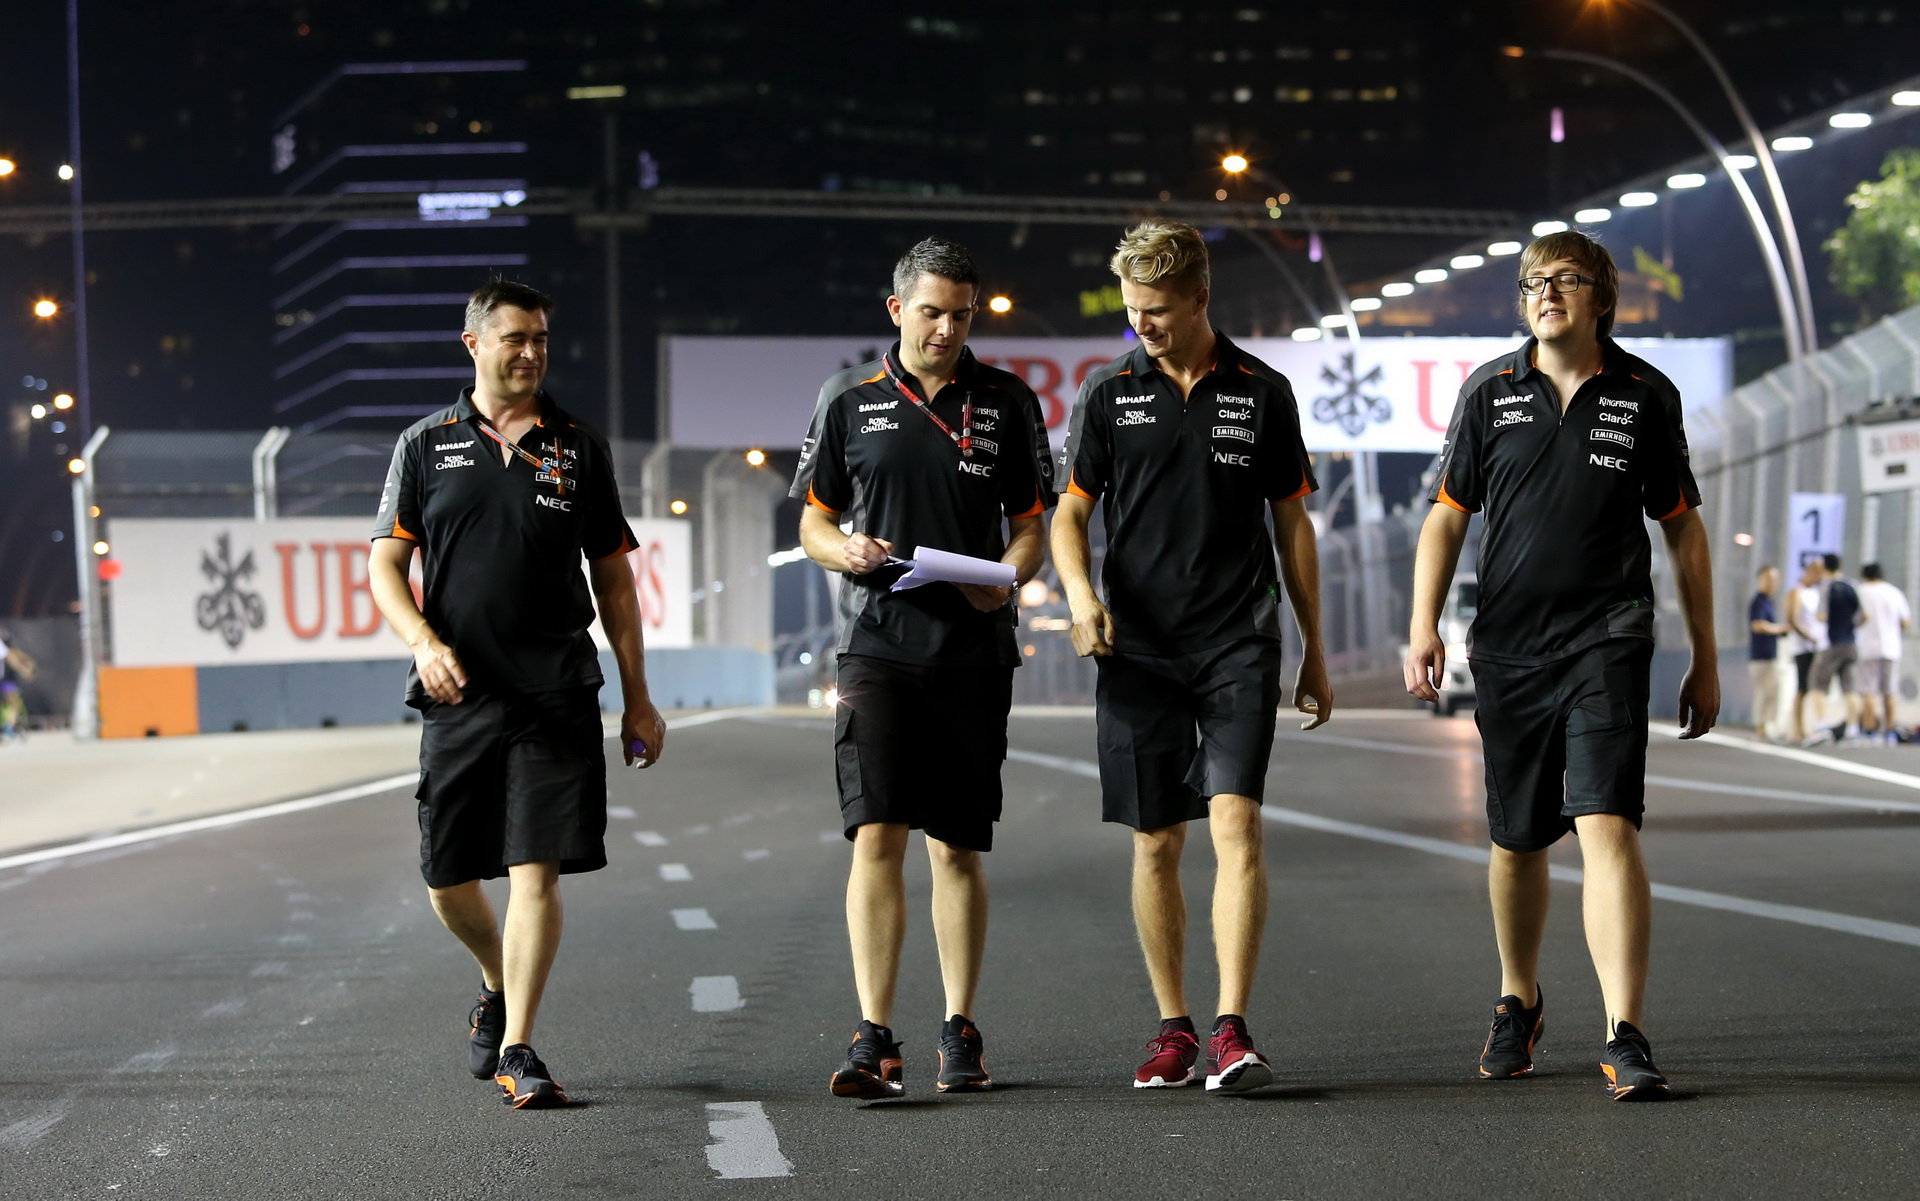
932	566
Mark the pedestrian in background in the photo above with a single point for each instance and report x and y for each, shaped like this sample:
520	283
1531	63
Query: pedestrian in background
1763	641
1840	616
1885	617
1807	639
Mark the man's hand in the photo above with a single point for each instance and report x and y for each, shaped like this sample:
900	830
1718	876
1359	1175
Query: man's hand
1426	665
1312	694
1699	700
642	724
864	554
1092	630
985	597
440	671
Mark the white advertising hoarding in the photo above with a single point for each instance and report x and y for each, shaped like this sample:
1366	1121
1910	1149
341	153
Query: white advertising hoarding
1385	394
213	592
1890	456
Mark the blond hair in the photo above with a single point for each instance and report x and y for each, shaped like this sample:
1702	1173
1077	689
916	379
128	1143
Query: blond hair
1163	253
1587	254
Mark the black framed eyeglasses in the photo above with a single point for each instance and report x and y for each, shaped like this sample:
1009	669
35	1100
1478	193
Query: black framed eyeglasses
1533	285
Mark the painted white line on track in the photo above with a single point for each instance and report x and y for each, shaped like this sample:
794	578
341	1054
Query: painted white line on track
1865	771
675	871
715	994
217	822
1798	915
756	853
649	838
702	828
20	1135
621	812
1678	782
744	1145
694	919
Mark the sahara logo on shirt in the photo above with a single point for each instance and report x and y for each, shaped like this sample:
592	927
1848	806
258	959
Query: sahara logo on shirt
454	445
878	406
1141	399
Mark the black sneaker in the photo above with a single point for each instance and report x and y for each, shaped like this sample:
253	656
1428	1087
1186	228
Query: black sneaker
1628	1063
1509	1049
489	1022
526	1081
962	1069
872	1070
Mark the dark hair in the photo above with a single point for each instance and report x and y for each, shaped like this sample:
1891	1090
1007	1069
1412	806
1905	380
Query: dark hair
1590	256
1832	561
934	256
496	292
1870	572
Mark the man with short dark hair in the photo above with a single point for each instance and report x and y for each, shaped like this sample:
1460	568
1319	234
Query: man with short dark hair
1193	446
1840	615
1563	446
503	494
927	448
1763	650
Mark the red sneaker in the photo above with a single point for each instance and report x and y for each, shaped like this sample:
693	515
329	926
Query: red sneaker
1171	1066
1233	1066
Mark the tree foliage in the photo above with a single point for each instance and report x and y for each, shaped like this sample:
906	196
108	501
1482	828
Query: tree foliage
1875	256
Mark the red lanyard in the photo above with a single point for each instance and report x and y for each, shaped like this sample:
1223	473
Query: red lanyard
963	439
539	464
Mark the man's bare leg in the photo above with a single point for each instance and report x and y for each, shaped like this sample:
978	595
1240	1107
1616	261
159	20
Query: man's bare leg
877	916
529	942
465	910
1160	914
1617	904
959	920
1239	896
1517	885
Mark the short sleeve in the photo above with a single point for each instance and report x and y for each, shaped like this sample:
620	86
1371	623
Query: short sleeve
1461	481
1286	470
1089	459
400	507
605	532
822	479
1667	487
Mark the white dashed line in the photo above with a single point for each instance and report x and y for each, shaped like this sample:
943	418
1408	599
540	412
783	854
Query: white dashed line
675	871
649	838
694	919
744	1145
715	994
757	853
622	812
703	828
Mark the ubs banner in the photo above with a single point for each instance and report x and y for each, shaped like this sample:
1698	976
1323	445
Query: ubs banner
1388	394
210	593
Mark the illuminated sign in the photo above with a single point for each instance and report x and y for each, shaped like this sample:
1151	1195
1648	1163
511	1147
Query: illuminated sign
466	206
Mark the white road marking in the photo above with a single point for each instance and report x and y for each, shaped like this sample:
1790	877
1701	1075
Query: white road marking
20	1135
756	853
694	919
675	871
220	821
835	835
1865	771
622	812
649	838
702	828
744	1145
223	1009
715	994
268	970
1798	915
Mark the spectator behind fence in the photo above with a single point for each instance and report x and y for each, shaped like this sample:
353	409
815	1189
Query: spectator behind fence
1763	650
1885	616
1839	615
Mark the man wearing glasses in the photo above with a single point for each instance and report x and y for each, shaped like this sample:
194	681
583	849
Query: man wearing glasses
1562	446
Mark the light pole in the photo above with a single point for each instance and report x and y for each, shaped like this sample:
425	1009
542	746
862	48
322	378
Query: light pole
1238	164
1809	335
1792	326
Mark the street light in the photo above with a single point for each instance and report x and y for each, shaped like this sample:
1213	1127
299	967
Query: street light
44	308
1001	304
1802	292
6	167
62	401
1234	164
756	457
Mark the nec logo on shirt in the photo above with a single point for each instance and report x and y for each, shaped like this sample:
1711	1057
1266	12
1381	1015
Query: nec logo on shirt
1613	461
972	468
1232	460
554	502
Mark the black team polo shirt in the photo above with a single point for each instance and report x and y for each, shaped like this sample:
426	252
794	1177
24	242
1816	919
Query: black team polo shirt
1565	563
502	543
873	456
1190	560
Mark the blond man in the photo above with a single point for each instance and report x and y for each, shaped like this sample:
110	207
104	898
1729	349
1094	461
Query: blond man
1191	444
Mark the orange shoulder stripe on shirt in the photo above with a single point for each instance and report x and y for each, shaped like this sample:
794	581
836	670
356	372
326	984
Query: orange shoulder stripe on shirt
1306	486
876	377
627	546
817	503
400	531
1039	507
1678	509
1073	486
1446	499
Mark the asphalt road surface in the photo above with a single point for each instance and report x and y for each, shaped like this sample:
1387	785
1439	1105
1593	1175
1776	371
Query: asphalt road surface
268	1008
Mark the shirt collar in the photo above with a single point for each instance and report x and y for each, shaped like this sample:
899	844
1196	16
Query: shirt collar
1612	359
964	373
549	411
1225	356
